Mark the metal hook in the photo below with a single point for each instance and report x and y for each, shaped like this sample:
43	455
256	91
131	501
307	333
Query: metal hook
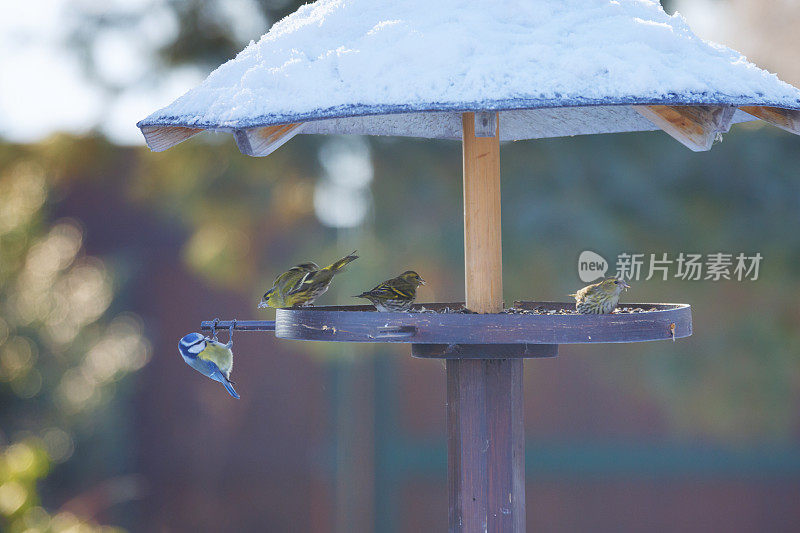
214	329
230	333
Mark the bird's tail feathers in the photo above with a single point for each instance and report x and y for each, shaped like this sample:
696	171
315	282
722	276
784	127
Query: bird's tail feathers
231	390
340	264
222	378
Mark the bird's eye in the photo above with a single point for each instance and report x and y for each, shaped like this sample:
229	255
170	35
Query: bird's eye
616	282
197	348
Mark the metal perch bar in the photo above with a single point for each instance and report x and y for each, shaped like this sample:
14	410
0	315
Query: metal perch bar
240	325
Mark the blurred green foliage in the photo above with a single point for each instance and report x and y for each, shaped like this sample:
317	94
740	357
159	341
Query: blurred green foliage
22	465
62	352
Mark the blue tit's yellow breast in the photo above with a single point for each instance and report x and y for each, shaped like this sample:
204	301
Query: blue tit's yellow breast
218	354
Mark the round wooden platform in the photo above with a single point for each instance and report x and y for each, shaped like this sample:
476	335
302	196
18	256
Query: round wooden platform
459	330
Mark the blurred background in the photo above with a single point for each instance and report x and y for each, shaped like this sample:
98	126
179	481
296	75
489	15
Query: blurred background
110	253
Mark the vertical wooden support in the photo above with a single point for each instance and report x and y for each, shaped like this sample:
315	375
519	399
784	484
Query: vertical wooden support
485	124
485	448
483	257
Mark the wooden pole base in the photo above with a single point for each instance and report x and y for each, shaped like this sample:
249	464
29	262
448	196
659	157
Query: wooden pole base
485	435
485	445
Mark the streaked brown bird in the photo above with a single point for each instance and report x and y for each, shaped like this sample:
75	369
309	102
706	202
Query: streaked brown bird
303	283
396	294
600	298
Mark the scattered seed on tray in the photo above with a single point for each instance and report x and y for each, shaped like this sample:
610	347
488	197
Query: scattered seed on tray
538	311
457	310
635	310
534	311
566	311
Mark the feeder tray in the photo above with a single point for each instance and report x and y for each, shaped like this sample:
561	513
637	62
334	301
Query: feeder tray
449	331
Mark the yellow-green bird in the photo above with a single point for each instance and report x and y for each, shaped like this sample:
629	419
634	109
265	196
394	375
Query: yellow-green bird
600	298
303	283
396	294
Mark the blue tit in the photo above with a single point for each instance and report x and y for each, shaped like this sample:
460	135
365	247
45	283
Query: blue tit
209	357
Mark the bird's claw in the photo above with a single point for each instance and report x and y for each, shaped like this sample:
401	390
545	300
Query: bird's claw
230	334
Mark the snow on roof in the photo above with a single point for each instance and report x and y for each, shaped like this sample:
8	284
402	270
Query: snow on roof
553	67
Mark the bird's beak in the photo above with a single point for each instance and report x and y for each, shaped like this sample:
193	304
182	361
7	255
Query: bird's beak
421	281
625	285
262	304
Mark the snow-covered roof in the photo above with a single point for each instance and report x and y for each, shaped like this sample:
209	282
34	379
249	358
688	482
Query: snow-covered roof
410	67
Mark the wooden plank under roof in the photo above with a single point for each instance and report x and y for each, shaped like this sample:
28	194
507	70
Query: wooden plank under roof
785	119
160	138
696	127
260	142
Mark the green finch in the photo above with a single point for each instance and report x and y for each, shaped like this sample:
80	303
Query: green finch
303	283
601	297
396	294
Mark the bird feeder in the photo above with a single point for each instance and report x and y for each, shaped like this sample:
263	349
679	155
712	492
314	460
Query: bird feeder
483	73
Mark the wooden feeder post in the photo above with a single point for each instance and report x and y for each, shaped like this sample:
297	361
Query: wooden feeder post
485	433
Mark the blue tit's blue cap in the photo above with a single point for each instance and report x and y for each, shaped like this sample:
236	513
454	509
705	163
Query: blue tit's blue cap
191	339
